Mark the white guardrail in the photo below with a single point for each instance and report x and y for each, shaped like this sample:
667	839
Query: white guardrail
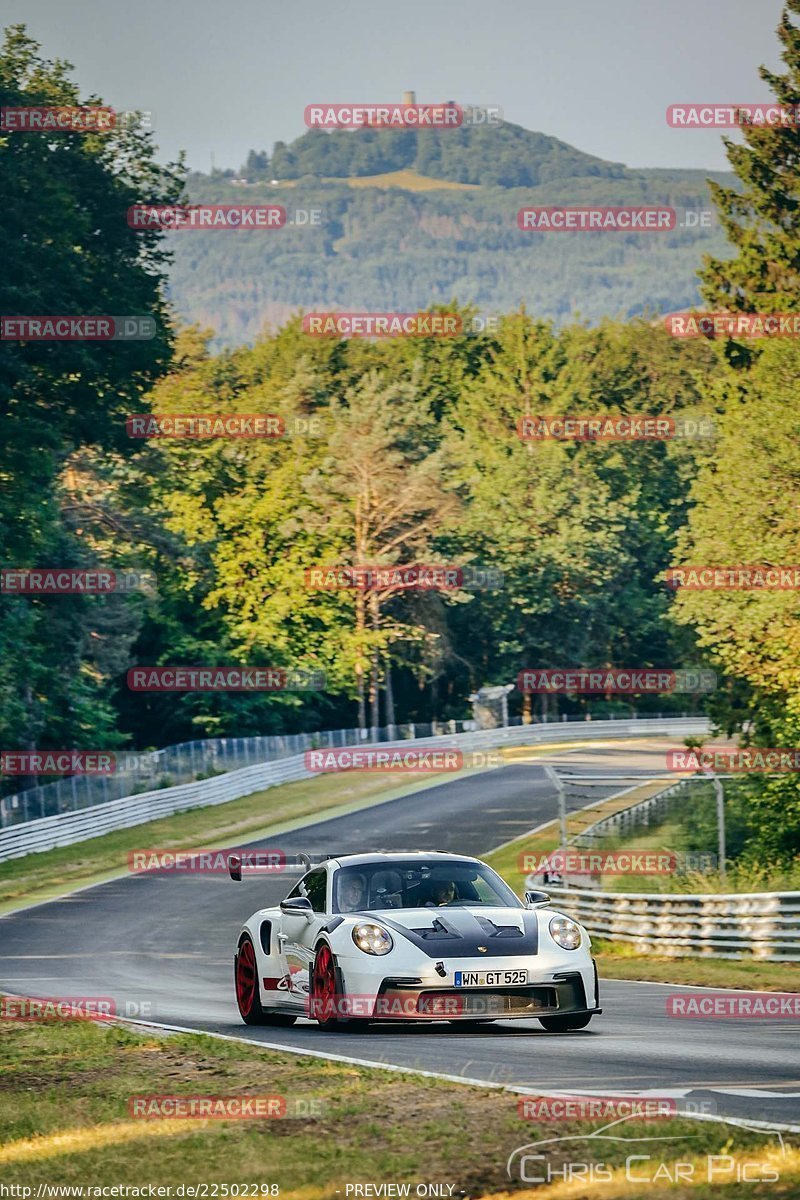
64	829
750	925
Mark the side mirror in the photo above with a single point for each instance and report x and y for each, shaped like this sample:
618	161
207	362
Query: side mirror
235	867
297	906
536	899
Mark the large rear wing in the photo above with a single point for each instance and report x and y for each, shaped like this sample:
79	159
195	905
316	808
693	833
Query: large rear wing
237	864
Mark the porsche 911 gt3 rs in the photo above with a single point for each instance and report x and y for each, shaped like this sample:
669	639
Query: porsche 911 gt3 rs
412	936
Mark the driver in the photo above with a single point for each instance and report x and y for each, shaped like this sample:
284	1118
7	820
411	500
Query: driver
443	892
352	892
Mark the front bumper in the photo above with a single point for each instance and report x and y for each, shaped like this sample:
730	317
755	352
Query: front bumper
407	999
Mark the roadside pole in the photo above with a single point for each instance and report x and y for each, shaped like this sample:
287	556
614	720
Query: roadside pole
562	803
720	794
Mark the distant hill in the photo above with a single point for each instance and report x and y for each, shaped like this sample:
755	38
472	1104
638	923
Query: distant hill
502	155
397	242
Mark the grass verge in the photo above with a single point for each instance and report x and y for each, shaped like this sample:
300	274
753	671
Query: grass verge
408	180
65	1089
507	859
619	960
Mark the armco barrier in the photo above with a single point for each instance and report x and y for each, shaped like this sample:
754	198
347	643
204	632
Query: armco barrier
147	770
69	827
751	925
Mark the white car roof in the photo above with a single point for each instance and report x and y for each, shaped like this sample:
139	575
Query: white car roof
377	856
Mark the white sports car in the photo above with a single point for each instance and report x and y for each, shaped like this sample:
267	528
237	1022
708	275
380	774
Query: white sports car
412	936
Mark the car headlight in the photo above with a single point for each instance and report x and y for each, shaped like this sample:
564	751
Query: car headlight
566	933
372	939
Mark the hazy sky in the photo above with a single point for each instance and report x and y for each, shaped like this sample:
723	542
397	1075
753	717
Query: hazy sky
221	76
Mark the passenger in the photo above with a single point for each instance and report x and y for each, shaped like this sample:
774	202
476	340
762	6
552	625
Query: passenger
352	893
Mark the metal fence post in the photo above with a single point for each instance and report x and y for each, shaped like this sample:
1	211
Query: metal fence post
720	795
562	803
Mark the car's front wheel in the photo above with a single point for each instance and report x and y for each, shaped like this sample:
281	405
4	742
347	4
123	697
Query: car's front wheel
326	998
245	978
566	1023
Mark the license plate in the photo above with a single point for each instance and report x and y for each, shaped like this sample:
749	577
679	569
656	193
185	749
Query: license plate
489	978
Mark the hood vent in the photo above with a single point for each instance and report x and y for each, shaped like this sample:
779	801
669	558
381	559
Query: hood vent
460	932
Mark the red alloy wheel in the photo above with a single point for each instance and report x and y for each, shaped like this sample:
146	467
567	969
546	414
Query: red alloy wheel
246	977
323	988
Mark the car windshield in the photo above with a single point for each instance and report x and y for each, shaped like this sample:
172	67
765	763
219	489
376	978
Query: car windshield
416	884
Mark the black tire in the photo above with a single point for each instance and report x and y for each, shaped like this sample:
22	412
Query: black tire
245	982
566	1023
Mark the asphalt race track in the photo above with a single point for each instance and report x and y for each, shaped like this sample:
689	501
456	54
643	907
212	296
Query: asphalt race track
163	945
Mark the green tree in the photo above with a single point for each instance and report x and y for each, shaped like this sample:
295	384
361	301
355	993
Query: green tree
256	168
581	531
760	217
381	484
747	511
68	251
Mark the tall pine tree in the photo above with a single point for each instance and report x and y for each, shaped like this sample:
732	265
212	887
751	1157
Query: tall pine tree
762	218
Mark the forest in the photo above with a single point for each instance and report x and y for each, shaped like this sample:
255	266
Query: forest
393	452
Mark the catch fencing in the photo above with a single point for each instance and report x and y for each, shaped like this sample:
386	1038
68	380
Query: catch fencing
763	926
145	770
640	815
81	823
